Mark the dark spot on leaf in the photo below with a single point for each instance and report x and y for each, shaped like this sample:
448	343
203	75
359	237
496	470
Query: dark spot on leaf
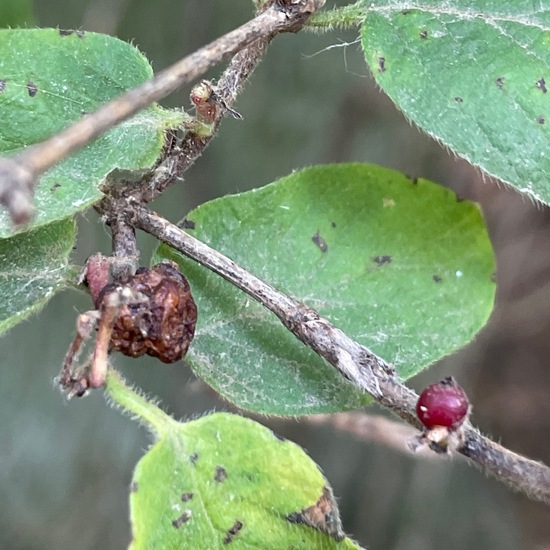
320	242
381	260
333	224
233	531
67	32
381	64
221	474
323	516
424	34
2	85
458	99
459	198
193	458
184	518
405	12
32	89
500	82
414	181
541	120
437	279
134	487
541	85
279	437
187	224
55	186
295	517
494	278
186	496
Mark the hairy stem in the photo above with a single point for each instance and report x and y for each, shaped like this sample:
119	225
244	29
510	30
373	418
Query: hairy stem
338	18
134	403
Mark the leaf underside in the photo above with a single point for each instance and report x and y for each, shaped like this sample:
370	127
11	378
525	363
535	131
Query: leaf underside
33	268
50	78
400	266
474	75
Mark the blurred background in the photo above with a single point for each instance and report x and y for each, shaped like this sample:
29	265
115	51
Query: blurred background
65	468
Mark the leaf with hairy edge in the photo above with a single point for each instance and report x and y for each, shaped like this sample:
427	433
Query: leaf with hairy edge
225	481
50	78
472	74
400	266
33	268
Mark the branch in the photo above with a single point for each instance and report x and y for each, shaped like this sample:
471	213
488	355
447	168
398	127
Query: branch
372	428
351	359
18	174
178	158
171	169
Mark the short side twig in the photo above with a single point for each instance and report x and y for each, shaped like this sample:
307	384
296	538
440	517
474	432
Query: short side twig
125	249
177	162
351	359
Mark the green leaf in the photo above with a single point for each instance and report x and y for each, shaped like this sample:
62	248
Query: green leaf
400	266
225	481
15	13
472	74
33	267
50	78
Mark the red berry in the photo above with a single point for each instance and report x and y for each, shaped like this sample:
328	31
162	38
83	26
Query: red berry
443	404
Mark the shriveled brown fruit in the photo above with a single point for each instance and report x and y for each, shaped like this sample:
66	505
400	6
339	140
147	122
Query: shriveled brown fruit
160	318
